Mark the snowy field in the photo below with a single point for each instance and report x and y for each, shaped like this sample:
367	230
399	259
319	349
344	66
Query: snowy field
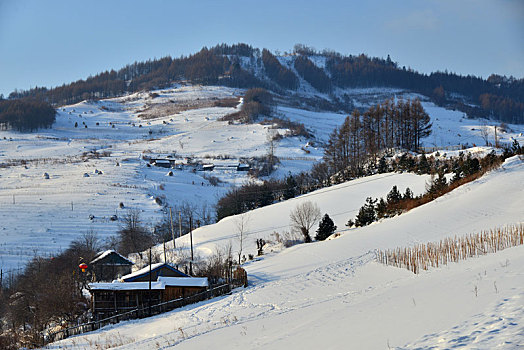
333	294
41	215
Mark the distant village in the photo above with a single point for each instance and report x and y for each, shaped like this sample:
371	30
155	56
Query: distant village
188	163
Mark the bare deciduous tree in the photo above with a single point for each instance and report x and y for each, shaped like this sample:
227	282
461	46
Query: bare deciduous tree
303	217
241	223
87	245
134	237
484	132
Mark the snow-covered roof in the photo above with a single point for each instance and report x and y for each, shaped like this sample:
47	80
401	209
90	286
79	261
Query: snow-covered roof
127	285
184	281
162	283
108	252
142	271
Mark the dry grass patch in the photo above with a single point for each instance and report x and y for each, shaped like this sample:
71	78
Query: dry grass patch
424	256
160	110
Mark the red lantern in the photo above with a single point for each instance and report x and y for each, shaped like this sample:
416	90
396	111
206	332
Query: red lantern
83	266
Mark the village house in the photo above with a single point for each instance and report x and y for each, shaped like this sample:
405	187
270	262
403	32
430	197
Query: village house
134	291
163	163
243	167
109	265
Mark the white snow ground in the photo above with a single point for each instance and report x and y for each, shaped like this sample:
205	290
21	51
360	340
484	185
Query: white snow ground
333	295
42	216
328	294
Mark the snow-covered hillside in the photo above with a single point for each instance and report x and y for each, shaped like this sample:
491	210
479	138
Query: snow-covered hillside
98	164
332	294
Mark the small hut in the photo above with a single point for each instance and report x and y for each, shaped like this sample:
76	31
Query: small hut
243	167
110	265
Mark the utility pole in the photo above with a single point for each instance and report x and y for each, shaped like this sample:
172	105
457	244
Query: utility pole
172	231
496	139
191	239
179	223
164	243
149	296
14	199
71	205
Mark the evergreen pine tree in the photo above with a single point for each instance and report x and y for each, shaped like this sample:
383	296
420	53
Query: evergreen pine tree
326	228
366	214
382	208
471	165
382	165
423	165
403	162
291	187
516	148
408	194
394	196
438	184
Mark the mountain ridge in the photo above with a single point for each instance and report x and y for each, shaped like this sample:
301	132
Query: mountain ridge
243	66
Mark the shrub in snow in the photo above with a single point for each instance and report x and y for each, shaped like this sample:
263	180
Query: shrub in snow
46	176
260	246
86	175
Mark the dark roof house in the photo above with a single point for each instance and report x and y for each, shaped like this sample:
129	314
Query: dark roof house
157	270
110	265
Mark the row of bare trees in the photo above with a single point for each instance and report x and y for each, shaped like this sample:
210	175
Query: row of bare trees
391	124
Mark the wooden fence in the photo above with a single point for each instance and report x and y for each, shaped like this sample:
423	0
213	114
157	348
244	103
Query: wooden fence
423	256
140	312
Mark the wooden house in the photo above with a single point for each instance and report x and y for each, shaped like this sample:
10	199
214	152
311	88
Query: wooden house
180	287
243	167
114	298
164	163
132	291
110	265
206	167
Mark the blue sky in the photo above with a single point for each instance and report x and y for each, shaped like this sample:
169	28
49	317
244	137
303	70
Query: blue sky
48	43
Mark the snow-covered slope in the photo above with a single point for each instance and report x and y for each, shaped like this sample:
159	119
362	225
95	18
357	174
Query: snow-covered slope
41	216
333	295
